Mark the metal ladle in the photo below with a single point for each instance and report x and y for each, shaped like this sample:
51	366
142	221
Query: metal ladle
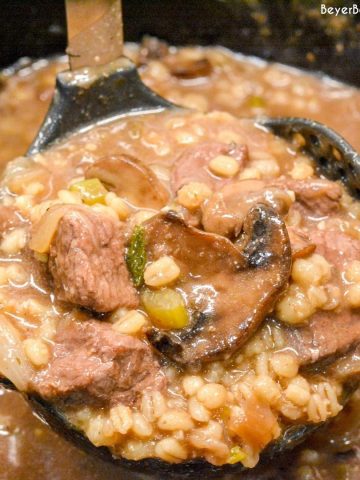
101	84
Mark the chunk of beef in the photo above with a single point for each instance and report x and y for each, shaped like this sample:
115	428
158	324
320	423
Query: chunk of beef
224	212
226	209
318	195
336	246
229	288
192	164
87	262
93	365
329	334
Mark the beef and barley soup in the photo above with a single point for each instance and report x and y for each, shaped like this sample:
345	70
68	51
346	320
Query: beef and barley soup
182	284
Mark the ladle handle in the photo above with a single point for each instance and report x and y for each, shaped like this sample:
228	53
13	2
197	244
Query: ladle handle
95	32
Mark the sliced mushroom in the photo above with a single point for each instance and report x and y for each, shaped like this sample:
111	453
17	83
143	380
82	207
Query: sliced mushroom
131	179
188	69
228	288
226	209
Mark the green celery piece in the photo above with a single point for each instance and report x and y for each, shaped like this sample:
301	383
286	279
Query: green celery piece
236	455
136	255
91	191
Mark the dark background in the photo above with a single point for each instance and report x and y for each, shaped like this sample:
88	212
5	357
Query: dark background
289	31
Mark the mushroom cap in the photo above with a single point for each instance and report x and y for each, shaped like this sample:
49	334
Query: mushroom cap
229	288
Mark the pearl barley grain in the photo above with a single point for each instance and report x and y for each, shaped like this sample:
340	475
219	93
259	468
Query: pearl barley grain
284	365
170	450
267	389
122	418
119	206
175	419
298	393
352	273
13	241
131	323
191	384
193	194
198	411
212	395
161	272
353	295
141	427
224	166
37	351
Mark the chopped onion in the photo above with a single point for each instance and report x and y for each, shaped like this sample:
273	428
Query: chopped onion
14	364
45	229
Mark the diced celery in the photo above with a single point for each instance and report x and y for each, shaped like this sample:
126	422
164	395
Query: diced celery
91	190
236	455
166	308
256	102
225	413
342	471
136	255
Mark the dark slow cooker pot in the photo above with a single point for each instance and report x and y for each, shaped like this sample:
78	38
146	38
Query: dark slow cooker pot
288	31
